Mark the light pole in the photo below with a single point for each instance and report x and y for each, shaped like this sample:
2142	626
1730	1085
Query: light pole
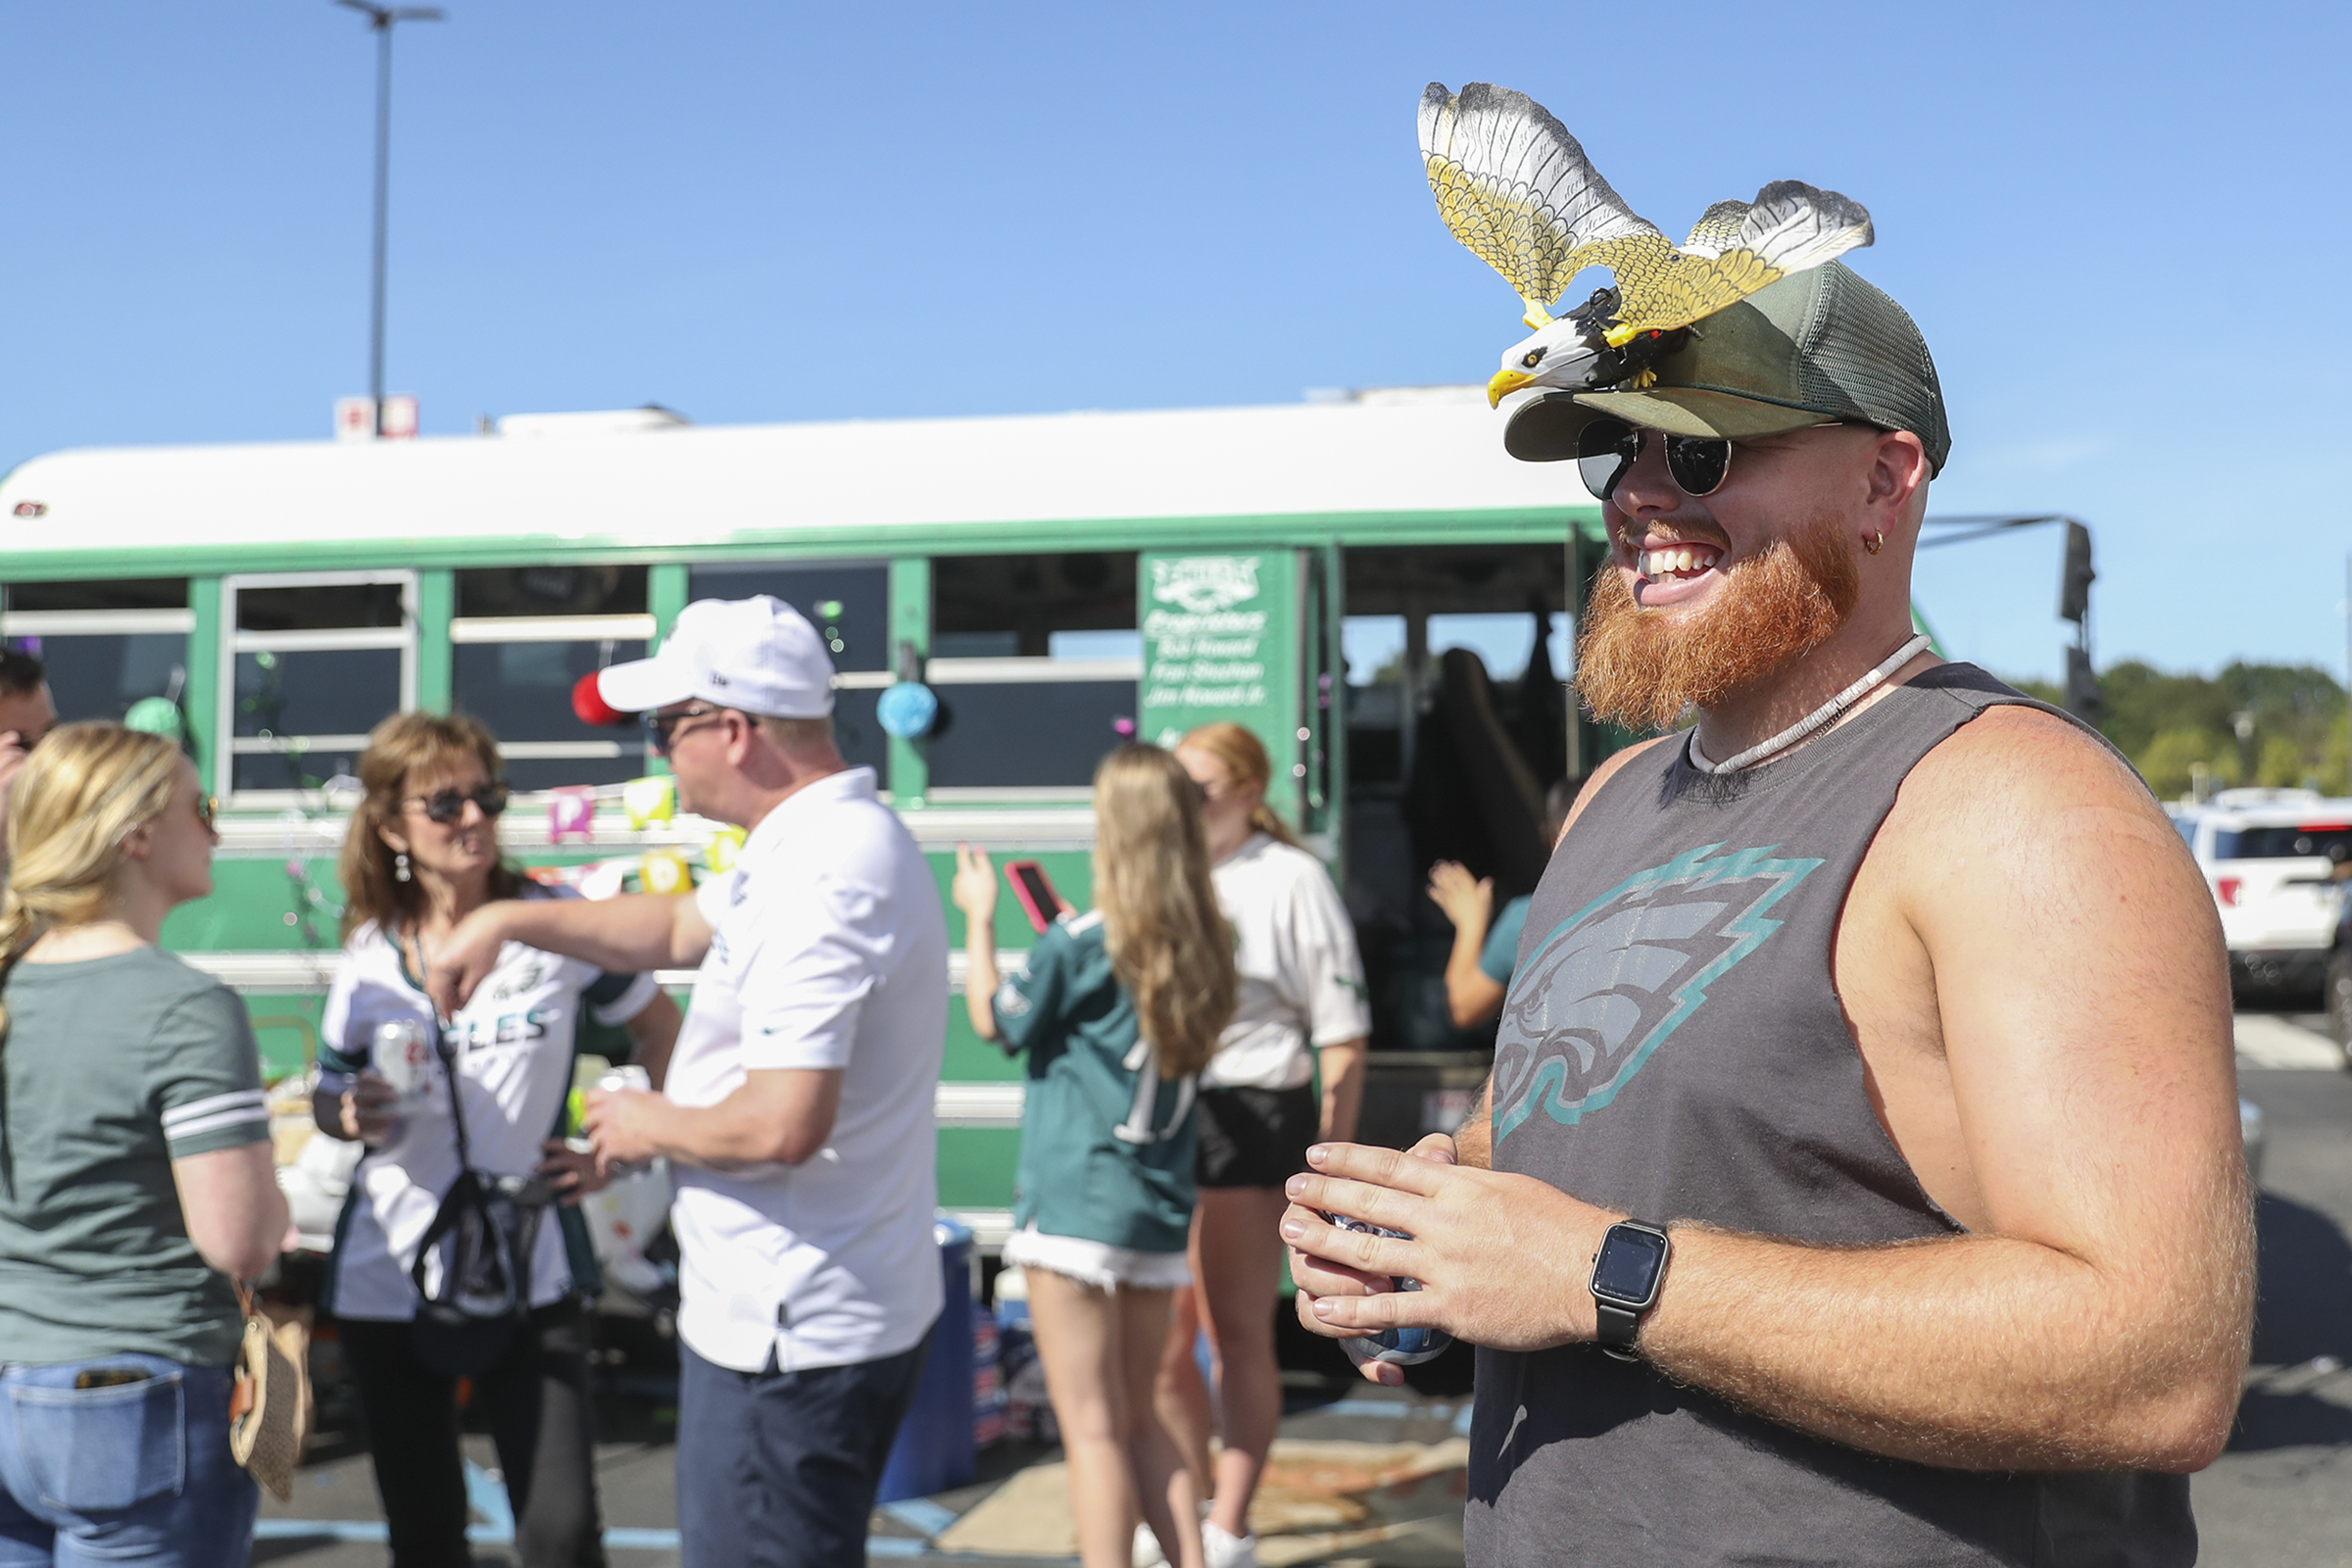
381	17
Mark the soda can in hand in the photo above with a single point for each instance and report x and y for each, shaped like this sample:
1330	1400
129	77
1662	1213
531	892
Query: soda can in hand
401	1052
628	1075
1400	1347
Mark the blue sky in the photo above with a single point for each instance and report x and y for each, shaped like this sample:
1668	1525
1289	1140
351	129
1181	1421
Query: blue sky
2122	228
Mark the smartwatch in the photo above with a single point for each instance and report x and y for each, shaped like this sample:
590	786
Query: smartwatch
1625	1274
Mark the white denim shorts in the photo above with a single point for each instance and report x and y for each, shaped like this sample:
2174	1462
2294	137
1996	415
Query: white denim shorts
1097	1264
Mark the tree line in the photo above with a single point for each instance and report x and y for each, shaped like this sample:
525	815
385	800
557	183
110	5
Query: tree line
2280	725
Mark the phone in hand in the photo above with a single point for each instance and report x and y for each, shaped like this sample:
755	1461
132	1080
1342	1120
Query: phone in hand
1036	893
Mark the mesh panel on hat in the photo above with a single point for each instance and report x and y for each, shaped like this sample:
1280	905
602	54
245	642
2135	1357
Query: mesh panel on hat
1864	355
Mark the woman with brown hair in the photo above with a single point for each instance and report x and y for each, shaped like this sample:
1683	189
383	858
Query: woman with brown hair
1117	1010
136	1178
1301	1009
420	854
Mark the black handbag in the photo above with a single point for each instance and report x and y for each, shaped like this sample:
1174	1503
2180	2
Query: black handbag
485	1231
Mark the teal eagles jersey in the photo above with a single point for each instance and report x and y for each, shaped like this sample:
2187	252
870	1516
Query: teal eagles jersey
1106	1144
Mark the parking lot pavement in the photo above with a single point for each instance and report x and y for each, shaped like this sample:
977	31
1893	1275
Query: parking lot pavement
2282	1495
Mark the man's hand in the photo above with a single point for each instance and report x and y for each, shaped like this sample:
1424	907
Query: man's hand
1469	1228
570	1173
620	1124
365	1113
1465	898
464	958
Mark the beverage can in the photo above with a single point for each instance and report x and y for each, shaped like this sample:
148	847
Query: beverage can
627	1076
401	1052
1401	1346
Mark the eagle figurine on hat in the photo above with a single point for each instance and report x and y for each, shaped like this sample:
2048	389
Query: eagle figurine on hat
1515	188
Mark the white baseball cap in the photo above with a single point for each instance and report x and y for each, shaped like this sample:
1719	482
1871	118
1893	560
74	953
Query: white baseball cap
758	654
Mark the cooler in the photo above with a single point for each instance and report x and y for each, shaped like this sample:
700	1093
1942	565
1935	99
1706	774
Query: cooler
935	1450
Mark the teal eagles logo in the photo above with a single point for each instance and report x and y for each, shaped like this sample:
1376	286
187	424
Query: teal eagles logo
1614	980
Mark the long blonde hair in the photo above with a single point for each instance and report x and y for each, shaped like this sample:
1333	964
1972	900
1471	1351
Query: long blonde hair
1244	758
400	749
85	789
1169	946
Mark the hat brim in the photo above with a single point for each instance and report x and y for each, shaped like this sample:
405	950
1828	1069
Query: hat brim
641	685
1545	429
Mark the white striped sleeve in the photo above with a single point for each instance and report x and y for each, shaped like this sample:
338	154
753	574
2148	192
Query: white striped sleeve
219	1121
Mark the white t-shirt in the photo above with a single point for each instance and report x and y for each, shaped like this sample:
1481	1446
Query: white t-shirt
828	950
1301	983
514	1042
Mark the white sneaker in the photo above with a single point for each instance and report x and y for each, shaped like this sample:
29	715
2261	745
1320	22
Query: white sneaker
1145	1553
1222	1550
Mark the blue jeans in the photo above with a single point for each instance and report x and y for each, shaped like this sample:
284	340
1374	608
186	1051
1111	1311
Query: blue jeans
779	1469
134	1473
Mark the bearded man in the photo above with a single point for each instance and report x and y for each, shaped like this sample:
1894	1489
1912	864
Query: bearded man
1859	1181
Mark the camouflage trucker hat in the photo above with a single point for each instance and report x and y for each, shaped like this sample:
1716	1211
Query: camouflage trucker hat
1814	347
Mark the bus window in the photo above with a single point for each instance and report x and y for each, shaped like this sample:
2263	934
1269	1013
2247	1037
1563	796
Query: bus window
107	644
1034	659
317	660
848	602
522	638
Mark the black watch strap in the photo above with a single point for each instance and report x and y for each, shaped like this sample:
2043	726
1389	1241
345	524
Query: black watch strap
1618	1326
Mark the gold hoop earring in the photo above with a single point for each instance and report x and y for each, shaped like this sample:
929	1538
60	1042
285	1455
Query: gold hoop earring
1876	541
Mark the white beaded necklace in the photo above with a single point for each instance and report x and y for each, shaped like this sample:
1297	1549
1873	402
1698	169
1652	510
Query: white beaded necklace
1815	720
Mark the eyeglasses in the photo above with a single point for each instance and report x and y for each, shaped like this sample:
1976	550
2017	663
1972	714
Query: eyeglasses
208	812
1606	449
661	729
447	806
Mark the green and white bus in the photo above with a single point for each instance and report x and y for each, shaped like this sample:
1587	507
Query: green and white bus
1368	583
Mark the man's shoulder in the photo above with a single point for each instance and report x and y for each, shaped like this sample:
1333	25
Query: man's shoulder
2018	756
2020	791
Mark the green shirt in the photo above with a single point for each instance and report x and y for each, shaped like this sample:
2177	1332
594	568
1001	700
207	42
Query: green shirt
1501	955
111	1069
1106	1144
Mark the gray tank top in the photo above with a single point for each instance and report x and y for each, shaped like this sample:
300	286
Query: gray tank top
1672	1048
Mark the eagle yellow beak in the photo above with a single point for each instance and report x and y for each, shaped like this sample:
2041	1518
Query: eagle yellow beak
1505	383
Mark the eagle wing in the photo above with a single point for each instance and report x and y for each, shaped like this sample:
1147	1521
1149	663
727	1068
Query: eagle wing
1515	188
1735	250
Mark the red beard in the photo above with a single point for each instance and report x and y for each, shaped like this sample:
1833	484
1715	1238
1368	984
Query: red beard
1636	669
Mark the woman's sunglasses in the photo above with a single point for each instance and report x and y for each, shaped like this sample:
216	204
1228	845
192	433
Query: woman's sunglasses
1607	449
447	806
207	813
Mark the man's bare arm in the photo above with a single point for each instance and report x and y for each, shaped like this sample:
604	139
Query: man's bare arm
635	931
2099	1320
776	1116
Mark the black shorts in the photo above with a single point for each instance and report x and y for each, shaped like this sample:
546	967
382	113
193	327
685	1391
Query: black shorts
1257	1137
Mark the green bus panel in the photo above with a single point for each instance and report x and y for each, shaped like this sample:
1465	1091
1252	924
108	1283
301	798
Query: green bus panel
975	1166
971	1059
286	1028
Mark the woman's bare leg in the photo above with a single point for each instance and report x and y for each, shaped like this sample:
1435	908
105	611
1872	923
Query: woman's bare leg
1078	1341
1238	1270
1166	1486
1180	1396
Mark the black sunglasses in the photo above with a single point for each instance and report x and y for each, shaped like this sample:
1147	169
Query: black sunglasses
661	729
447	806
1606	449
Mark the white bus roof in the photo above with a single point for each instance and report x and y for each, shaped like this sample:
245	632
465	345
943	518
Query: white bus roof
921	484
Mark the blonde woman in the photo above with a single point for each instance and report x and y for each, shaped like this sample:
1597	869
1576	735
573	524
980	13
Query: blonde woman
136	1178
1117	1012
420	854
1301	1009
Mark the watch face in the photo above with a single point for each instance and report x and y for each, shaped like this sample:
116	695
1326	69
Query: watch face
1630	1263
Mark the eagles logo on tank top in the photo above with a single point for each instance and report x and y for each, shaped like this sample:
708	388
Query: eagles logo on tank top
1672	1048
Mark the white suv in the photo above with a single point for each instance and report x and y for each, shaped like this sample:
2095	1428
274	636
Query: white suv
2277	861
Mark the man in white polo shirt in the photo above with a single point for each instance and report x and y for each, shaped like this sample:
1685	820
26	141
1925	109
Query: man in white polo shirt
798	1110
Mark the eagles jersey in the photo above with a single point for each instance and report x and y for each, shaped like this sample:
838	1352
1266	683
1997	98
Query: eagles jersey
513	1045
